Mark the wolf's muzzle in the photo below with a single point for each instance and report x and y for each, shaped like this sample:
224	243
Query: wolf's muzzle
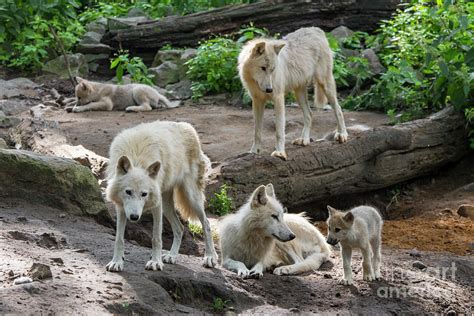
331	241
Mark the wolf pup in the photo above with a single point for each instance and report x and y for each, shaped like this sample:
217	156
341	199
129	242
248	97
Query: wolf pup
361	227
270	68
153	167
260	236
96	96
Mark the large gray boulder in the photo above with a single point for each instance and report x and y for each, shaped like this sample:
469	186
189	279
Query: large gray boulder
341	33
98	26
180	90
173	55
115	24
77	62
165	74
91	37
374	62
58	182
18	87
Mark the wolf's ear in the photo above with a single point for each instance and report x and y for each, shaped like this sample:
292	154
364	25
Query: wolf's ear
269	189
153	169
259	196
79	79
349	217
123	165
258	49
84	85
285	209
331	210
278	47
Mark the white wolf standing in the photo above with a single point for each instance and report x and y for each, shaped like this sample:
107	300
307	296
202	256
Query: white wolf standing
360	227
260	236
270	68
97	96
155	166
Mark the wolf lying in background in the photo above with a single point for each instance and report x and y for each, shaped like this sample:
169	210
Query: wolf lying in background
153	167
360	227
97	96
260	236
270	68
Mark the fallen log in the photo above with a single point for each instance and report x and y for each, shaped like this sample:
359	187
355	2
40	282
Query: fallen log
374	159
277	16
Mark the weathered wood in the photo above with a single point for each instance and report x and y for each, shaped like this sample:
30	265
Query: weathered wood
372	160
277	16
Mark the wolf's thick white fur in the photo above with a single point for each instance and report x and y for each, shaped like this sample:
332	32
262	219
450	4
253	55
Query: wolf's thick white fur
270	68
155	167
360	227
260	236
97	96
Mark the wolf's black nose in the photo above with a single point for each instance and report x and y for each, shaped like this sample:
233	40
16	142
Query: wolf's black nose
292	236
134	217
269	90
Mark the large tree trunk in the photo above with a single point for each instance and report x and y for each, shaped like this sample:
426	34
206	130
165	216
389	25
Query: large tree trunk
375	159
277	16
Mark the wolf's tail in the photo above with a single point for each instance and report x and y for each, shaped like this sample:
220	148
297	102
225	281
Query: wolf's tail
188	197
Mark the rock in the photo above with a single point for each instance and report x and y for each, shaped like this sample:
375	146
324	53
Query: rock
22	280
181	90
188	54
468	187
136	12
13	106
3	144
165	74
91	38
115	24
9	121
93	49
40	271
53	181
374	62
466	210
40	111
349	52
418	264
341	33
77	62
18	87
414	253
98	26
59	261
173	55
95	57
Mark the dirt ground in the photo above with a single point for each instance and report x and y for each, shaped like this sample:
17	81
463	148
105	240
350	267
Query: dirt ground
421	225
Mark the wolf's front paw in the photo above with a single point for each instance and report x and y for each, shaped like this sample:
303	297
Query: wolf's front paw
256	149
279	154
77	109
369	277
257	271
169	259
341	137
283	270
114	266
345	281
210	261
154	265
244	273
301	141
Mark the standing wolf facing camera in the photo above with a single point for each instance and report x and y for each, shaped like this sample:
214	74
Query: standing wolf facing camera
260	235
155	167
270	68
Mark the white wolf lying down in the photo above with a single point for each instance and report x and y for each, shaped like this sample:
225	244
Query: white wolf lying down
97	96
155	166
260	236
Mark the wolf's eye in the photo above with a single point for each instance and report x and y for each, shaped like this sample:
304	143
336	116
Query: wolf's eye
129	192
337	230
144	194
275	216
264	68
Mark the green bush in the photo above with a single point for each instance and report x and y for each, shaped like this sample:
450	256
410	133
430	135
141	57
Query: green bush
428	50
221	203
134	66
26	41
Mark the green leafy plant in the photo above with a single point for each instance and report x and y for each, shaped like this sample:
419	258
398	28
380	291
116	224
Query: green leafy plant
122	63
195	229
32	31
219	304
213	70
428	49
221	202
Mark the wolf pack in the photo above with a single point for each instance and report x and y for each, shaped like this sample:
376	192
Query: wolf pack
160	167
